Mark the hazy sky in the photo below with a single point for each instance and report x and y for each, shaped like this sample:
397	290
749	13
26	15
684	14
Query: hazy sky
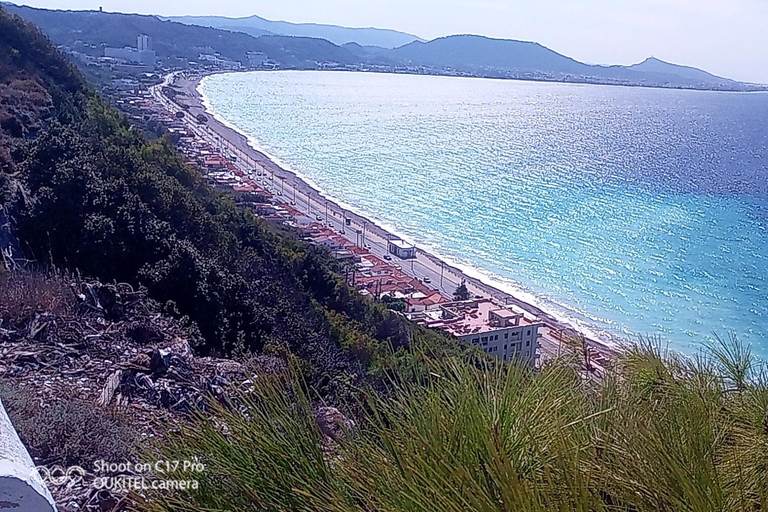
725	37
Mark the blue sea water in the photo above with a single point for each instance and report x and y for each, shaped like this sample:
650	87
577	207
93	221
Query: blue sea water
629	211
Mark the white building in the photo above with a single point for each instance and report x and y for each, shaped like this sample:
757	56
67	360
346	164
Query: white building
504	331
218	61
401	249
144	43
142	54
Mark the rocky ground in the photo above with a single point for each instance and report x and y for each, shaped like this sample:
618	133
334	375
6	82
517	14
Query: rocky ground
109	349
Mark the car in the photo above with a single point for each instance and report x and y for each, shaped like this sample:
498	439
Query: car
398	267
427	279
342	232
388	257
367	246
318	217
293	203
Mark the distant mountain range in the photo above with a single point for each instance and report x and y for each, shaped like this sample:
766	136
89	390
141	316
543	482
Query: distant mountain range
466	55
488	56
257	26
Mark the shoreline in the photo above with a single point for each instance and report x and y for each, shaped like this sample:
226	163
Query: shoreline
308	195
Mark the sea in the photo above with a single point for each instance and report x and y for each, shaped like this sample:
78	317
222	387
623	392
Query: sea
627	211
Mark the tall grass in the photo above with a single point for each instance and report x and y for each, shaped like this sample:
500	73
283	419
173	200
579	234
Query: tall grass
659	432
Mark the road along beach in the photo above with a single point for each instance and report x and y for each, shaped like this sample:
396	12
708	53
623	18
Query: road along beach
303	196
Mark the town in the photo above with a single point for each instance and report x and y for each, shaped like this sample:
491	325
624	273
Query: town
382	267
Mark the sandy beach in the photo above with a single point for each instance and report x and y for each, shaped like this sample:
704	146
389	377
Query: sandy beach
443	276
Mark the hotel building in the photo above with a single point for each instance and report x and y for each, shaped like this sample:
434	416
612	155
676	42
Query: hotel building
504	331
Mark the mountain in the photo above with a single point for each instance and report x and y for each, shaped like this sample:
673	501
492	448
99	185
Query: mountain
486	56
654	65
470	51
177	43
89	31
257	26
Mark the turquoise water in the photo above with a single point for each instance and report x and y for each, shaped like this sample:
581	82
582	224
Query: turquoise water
625	210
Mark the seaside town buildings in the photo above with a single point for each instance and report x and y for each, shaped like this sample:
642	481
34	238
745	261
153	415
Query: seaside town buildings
401	249
142	55
504	331
507	332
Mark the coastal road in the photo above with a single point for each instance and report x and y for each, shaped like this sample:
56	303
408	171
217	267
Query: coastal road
442	277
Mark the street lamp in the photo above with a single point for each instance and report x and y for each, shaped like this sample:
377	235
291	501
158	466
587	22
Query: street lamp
309	207
326	213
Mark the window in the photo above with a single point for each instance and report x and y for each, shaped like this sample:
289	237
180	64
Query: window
485	339
529	332
506	335
475	340
496	337
528	343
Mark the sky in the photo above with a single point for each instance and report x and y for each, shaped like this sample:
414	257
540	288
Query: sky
725	37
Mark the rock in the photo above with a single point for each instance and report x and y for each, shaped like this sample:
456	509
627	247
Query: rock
160	361
333	424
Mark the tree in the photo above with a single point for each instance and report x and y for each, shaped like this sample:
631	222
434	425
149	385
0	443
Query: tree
461	293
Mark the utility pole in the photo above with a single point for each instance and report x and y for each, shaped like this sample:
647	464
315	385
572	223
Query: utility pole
282	185
294	192
442	267
326	213
364	226
309	208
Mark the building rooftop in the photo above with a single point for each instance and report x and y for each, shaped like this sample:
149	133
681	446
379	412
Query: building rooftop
401	244
477	316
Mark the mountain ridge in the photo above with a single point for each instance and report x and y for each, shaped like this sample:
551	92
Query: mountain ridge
337	34
463	54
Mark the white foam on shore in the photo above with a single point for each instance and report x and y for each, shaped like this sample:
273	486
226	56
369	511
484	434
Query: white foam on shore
564	313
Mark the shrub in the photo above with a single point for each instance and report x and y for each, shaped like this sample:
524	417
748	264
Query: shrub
661	432
67	431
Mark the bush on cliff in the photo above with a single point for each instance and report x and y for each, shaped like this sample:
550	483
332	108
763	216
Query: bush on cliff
667	433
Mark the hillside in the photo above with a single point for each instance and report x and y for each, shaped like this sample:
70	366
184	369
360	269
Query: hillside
177	43
257	26
654	65
85	191
497	57
89	31
468	51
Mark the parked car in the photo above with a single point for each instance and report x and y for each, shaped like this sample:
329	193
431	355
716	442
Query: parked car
318	217
388	257
427	279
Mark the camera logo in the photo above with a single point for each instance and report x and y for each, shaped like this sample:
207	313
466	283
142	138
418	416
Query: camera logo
59	475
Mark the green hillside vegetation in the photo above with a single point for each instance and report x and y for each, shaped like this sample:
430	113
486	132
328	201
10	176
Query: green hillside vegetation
87	192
